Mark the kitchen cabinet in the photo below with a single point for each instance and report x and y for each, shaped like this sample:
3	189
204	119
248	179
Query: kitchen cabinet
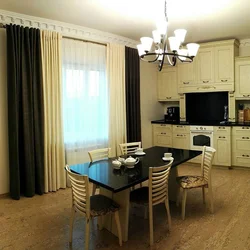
167	84
162	135
205	66
182	107
181	136
222	144
242	78
241	146
186	76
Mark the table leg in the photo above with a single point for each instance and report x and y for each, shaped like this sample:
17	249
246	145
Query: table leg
122	198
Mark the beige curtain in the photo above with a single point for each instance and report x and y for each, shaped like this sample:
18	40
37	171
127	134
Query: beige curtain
117	104
55	176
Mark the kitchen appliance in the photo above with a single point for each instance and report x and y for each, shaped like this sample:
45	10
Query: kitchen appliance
172	115
201	136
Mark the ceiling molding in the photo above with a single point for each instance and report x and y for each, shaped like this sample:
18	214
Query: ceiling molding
245	42
66	29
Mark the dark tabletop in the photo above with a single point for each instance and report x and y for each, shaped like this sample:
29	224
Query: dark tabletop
103	174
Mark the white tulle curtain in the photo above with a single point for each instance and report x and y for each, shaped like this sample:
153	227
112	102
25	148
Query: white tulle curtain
85	99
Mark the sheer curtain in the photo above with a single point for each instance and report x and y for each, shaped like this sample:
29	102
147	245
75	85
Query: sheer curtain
85	99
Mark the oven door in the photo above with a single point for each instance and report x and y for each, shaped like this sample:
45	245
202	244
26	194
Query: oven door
200	139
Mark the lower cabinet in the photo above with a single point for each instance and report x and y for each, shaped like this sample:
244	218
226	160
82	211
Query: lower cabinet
162	135
222	144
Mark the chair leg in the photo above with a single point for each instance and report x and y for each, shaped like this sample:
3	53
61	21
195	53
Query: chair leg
203	195
87	234
151	229
101	222
72	218
94	189
184	198
211	199
178	197
118	224
168	213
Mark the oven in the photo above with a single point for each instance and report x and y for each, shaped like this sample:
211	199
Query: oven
201	136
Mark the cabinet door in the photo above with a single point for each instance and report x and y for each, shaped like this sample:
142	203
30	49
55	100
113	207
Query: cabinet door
167	84
241	144
163	139
182	107
223	150
181	141
186	75
242	78
224	64
205	66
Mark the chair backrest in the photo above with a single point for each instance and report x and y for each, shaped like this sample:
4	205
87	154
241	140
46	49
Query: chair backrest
129	148
206	162
158	183
99	154
80	192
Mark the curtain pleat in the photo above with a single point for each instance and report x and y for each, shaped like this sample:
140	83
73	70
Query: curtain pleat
132	82
25	111
54	157
117	108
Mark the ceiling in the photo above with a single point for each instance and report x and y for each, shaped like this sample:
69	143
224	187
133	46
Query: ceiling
204	20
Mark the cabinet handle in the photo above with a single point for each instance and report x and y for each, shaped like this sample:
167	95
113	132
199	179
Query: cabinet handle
222	137
221	127
245	127
205	81
245	155
246	95
247	138
180	135
168	97
224	80
163	133
185	82
179	126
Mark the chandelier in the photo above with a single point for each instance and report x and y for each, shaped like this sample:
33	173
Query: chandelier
159	51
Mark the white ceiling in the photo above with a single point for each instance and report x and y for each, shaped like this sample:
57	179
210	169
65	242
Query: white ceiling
204	20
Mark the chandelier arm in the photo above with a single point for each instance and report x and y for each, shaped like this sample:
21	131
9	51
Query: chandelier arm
150	54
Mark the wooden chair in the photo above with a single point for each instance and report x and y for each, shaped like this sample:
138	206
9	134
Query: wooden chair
203	181
96	155
89	206
129	148
155	193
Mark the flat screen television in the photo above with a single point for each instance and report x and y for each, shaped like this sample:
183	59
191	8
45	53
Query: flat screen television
206	107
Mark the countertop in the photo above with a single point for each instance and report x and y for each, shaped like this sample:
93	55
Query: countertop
228	124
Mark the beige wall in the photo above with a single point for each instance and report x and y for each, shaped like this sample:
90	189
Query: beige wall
4	160
151	109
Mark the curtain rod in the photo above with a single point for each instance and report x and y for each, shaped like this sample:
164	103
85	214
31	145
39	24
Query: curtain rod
82	40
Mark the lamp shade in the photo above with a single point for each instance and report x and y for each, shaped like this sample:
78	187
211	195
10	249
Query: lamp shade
146	43
192	49
180	34
156	36
182	52
174	43
140	50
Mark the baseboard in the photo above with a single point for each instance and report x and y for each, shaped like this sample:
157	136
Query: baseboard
4	195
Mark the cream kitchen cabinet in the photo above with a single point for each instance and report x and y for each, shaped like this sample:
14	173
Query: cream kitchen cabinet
222	144
167	84
241	146
205	66
162	135
186	76
242	78
181	136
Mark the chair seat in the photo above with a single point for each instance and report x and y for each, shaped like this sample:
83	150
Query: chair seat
191	181
101	205
139	195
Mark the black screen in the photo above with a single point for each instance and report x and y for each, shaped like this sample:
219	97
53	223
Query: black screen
206	107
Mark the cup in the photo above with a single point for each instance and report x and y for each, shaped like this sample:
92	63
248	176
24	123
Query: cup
167	155
139	150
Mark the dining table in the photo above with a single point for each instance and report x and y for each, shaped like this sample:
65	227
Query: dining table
117	183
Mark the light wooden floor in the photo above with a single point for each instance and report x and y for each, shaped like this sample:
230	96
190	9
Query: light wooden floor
42	222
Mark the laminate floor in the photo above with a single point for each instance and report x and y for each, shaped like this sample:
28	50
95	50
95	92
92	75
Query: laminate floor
42	222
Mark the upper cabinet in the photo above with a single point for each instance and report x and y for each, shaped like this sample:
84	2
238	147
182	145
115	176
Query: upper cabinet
213	68
167	84
242	78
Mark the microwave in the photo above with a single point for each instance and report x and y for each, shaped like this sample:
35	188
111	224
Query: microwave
172	115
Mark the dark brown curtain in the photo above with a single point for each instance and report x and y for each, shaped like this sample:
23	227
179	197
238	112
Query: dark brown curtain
132	81
25	111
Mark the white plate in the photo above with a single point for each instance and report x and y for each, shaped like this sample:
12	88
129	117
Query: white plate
167	158
140	153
